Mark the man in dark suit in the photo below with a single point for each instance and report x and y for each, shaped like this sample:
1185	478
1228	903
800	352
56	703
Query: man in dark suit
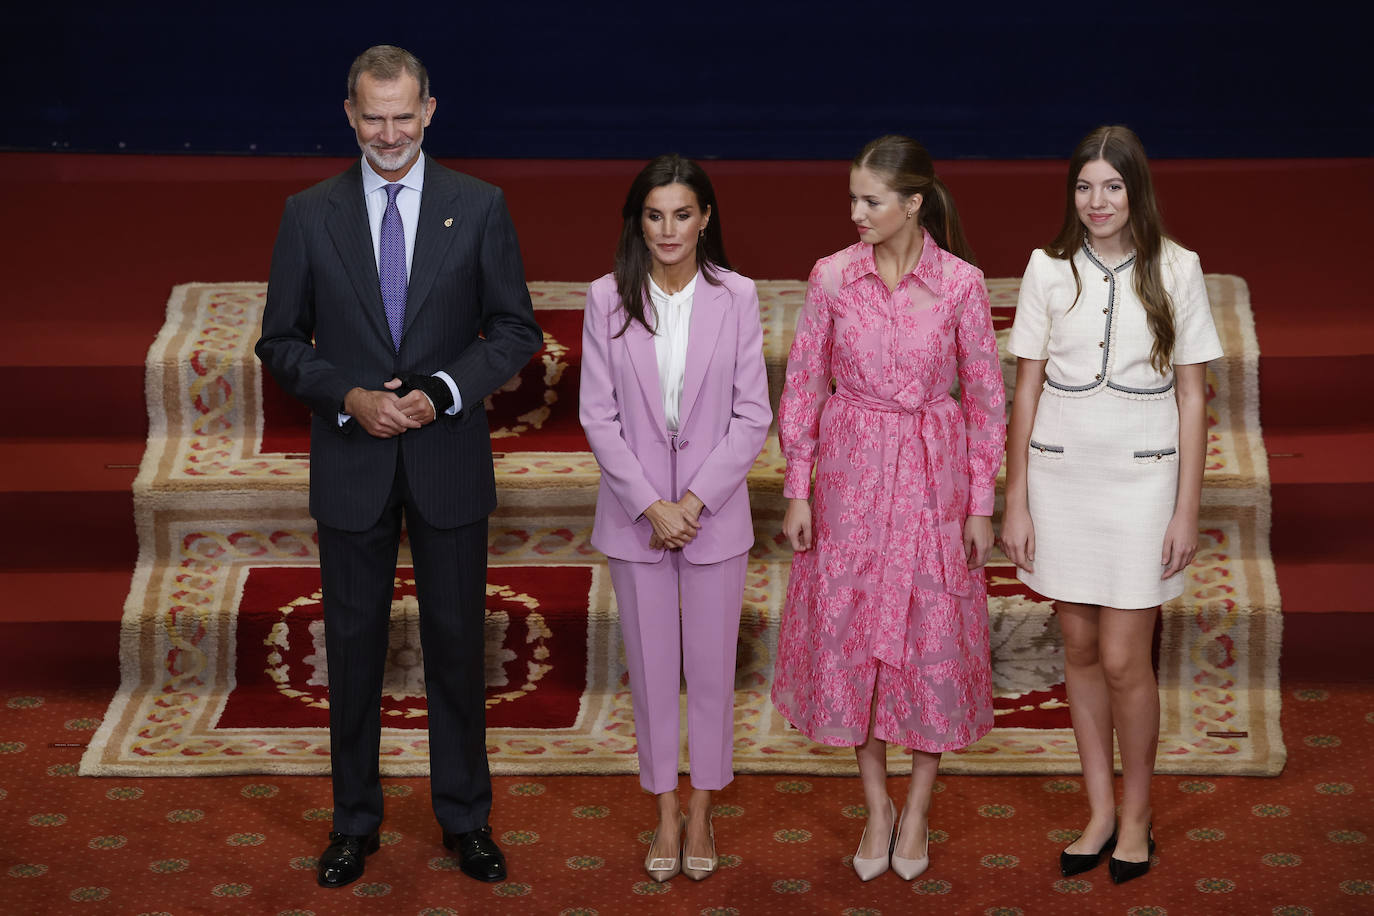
396	303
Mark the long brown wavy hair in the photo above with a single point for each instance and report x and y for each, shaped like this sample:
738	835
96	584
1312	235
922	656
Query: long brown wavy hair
632	257
907	169
1120	148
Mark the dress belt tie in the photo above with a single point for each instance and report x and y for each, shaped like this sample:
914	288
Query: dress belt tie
910	432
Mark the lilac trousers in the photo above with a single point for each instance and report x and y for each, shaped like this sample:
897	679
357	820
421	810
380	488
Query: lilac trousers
680	618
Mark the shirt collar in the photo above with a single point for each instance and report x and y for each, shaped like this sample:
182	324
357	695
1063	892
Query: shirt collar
927	269
414	179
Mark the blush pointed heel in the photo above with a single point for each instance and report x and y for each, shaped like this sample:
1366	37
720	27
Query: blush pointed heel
910	869
868	869
664	868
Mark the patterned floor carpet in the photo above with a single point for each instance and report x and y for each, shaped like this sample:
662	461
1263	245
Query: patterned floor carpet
1294	845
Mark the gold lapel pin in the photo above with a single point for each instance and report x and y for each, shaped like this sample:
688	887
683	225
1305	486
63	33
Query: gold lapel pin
448	222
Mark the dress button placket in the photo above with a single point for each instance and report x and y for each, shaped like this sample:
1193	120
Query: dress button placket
1107	310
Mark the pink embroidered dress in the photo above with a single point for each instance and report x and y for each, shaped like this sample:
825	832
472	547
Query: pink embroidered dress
883	611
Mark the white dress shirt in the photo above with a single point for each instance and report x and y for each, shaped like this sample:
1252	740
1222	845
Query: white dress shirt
672	320
408	203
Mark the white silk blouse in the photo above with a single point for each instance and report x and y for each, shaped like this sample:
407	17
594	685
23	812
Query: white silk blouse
672	320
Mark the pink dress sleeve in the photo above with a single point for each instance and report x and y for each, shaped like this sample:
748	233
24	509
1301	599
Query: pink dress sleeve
982	398
806	388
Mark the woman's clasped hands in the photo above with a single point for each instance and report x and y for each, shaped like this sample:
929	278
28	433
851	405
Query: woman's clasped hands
675	523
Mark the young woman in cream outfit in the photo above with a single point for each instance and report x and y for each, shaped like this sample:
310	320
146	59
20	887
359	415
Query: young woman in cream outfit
1105	455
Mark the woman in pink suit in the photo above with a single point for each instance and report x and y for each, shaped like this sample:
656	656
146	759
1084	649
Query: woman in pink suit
885	637
674	401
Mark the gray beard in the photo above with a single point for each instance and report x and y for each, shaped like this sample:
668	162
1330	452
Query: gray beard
392	160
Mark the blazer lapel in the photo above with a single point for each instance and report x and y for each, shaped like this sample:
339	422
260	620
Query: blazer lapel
708	310
439	223
640	344
348	228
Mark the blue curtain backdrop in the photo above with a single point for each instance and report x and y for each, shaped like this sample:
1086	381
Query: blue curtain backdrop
714	80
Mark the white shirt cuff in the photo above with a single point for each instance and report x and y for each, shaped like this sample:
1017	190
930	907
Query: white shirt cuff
452	387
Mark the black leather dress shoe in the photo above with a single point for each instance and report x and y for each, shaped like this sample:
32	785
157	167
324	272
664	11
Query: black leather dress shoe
344	859
478	855
1074	863
1123	871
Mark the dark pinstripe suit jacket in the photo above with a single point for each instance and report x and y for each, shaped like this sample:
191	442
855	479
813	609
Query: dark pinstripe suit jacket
324	332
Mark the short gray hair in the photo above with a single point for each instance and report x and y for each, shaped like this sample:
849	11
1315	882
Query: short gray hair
385	63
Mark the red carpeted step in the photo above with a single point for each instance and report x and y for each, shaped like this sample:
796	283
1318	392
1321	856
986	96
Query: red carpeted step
1320	455
67	504
1304	392
1322	545
36	655
86	529
97	400
1312	587
1327	647
1324	522
63	595
35	464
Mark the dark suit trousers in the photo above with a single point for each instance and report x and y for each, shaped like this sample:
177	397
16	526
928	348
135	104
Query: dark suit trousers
358	571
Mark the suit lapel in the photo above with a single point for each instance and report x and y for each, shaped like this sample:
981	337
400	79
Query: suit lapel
348	228
708	310
640	344
439	223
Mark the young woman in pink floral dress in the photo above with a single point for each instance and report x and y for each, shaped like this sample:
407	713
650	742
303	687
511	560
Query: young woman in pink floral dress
885	636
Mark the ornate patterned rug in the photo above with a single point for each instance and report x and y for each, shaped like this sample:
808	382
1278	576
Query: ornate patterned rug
222	663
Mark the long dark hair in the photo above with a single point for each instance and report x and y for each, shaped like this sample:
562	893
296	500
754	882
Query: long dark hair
632	258
1120	148
906	167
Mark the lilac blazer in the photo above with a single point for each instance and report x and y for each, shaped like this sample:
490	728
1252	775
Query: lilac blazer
723	421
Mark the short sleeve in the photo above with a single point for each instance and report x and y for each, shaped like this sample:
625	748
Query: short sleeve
1195	334
1030	332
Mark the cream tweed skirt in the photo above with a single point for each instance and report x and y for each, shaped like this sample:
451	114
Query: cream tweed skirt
1102	478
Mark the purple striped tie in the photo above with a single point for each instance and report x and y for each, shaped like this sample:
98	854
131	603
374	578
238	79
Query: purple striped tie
391	265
